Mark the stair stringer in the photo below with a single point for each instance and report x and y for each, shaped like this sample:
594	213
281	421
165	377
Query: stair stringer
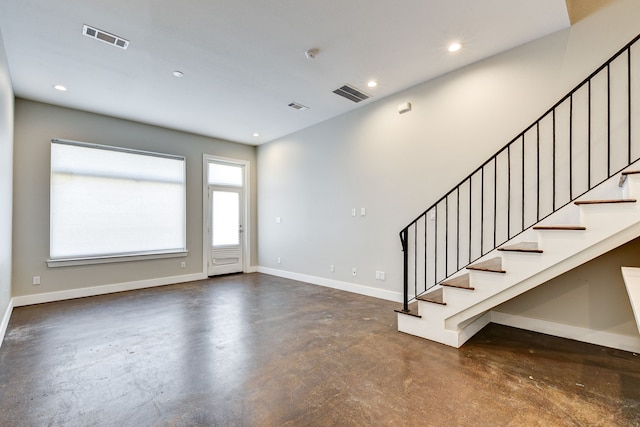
466	312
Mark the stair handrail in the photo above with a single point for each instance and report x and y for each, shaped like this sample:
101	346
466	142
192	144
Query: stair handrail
405	232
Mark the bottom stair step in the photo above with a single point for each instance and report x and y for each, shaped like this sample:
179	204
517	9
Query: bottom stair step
435	297
413	310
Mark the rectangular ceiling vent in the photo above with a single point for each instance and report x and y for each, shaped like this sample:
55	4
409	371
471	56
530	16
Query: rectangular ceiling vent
103	36
298	106
351	93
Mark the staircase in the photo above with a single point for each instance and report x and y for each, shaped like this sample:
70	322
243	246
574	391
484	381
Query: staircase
458	307
561	193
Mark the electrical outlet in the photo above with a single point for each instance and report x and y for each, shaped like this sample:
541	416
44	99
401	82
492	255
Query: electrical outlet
354	272
332	268
278	260
36	280
380	275
183	264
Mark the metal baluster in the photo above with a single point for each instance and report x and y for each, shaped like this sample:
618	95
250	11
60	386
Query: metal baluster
523	211
571	147
538	170
608	121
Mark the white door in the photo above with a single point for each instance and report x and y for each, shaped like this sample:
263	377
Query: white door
226	213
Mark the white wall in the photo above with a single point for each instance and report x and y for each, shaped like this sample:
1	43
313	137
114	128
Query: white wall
395	166
35	125
6	183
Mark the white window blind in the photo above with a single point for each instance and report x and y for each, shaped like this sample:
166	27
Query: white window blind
108	201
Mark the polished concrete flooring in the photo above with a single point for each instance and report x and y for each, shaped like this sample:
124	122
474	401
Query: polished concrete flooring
256	350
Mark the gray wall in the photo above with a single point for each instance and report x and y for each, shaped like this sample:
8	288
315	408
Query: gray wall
395	166
35	125
6	179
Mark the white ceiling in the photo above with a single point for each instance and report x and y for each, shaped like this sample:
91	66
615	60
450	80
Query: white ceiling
243	60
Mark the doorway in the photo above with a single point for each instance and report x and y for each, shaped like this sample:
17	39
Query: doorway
225	210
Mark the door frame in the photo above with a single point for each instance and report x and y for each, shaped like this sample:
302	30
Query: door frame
246	235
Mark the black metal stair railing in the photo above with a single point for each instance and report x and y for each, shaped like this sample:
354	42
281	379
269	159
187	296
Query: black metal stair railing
580	142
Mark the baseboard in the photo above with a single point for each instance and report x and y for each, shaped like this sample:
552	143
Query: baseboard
5	321
602	338
334	284
20	301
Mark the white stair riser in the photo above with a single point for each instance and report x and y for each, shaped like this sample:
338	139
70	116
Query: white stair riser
608	190
631	187
437	332
603	214
431	311
457	298
433	331
521	260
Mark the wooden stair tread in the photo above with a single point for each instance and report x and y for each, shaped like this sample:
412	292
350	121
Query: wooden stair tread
493	265
522	247
408	313
559	227
413	310
460	282
436	297
602	202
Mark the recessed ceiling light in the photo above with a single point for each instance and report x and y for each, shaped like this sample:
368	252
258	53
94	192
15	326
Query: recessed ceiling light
312	53
256	134
178	74
60	88
454	47
372	83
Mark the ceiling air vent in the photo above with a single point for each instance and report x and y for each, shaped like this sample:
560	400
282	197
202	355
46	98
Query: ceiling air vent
351	93
298	106
94	33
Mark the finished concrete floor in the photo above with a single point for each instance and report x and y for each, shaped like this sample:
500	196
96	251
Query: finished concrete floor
256	350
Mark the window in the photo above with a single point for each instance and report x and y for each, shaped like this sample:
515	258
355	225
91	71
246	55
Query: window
226	174
111	202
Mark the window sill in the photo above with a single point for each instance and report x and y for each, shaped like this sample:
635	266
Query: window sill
66	262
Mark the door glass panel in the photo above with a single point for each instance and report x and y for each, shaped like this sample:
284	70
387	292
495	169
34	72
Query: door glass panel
225	218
